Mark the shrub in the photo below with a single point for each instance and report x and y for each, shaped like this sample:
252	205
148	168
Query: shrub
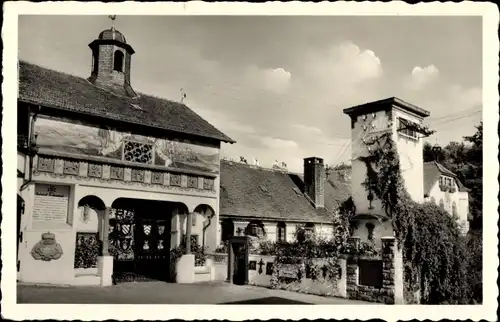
222	248
267	248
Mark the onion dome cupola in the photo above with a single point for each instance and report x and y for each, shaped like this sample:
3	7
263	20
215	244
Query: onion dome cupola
111	61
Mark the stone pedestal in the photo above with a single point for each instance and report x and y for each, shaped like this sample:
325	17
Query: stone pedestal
105	269
184	269
210	264
239	227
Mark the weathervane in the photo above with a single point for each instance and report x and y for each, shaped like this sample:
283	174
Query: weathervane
183	95
113	18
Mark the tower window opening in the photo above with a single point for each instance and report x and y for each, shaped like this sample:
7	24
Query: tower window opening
118	61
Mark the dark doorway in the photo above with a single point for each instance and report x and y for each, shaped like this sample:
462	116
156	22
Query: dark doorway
227	229
139	239
238	260
20	211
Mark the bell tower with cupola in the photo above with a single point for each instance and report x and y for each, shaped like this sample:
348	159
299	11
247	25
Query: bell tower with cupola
111	61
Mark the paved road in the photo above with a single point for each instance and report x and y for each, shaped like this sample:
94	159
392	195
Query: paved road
164	293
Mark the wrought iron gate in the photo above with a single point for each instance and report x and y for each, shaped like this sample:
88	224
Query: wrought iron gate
140	247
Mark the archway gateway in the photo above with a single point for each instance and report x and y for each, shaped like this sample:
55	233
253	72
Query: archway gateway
140	238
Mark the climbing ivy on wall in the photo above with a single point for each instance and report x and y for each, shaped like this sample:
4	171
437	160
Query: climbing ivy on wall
434	252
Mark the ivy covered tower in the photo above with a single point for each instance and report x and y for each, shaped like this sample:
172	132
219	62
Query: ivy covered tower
111	62
370	122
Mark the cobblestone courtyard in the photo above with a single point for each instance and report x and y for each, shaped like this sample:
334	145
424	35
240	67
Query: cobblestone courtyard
164	293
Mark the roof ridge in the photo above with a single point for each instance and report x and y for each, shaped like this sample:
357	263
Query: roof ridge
57	89
259	167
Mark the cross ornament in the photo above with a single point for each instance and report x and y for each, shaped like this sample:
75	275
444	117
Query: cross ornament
261	263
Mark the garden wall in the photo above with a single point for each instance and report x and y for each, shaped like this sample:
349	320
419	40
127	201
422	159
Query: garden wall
376	279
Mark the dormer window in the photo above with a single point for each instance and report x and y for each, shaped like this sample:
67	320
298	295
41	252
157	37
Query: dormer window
446	184
118	61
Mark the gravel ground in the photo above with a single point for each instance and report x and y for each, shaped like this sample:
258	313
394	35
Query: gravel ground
165	293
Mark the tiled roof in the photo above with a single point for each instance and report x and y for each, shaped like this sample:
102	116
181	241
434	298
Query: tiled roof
41	86
432	171
388	102
254	192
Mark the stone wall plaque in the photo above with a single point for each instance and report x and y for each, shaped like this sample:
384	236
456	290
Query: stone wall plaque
156	177
137	175
208	183
71	167
51	204
289	271
116	173
95	170
175	180
192	182
45	164
47	248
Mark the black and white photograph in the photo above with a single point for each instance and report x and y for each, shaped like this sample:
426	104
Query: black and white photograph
231	156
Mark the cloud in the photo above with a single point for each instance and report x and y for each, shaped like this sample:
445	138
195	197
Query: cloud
277	79
275	143
273	80
307	129
345	64
223	121
421	77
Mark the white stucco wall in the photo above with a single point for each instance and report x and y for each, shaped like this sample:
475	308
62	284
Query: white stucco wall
62	271
460	199
364	130
410	157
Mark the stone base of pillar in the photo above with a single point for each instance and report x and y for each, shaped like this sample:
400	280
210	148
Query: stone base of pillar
105	270
210	264
184	269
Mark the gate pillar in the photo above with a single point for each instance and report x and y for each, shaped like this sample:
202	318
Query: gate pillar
189	223
105	261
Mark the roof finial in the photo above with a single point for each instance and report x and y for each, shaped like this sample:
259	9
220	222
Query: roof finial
112	17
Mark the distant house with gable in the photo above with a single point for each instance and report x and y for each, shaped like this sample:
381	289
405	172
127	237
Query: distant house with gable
442	187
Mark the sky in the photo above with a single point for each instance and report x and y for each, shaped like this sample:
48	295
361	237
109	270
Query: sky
277	85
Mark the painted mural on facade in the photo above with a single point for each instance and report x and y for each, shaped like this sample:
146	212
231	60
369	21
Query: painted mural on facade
60	136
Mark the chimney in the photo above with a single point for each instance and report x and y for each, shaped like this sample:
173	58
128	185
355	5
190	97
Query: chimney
314	180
